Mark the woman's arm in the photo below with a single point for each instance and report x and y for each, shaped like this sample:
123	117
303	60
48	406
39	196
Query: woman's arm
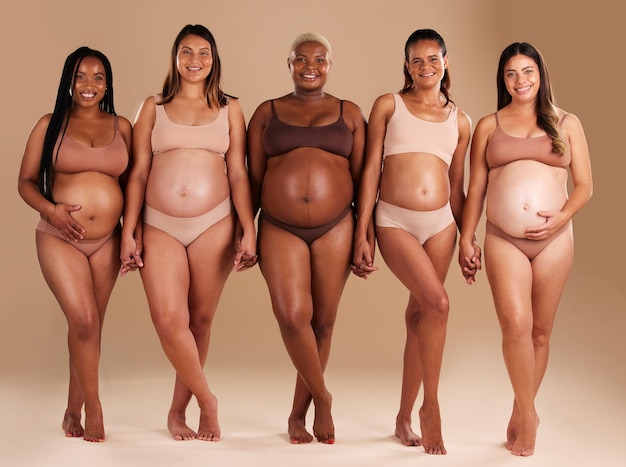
27	186
364	237
257	160
126	130
141	162
240	188
457	168
354	115
580	169
469	251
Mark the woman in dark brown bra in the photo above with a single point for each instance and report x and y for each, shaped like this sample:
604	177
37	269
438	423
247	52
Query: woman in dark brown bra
72	173
305	159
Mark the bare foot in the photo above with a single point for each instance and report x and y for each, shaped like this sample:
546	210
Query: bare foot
405	433
94	427
524	444
209	429
297	431
323	426
430	425
71	425
177	426
511	430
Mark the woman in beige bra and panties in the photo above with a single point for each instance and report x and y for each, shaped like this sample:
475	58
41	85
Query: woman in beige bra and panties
519	163
189	176
412	186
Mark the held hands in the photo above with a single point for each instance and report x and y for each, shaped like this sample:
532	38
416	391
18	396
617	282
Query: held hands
245	248
470	260
64	222
362	260
130	254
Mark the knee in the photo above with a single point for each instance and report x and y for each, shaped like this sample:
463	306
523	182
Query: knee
435	307
85	327
441	306
323	330
200	324
515	328
166	323
541	336
292	321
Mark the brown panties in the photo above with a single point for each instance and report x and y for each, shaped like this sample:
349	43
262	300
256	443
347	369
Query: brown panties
307	234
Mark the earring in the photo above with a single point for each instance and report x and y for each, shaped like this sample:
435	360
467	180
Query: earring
70	92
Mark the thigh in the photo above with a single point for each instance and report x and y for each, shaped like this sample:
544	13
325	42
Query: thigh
551	269
105	264
510	278
440	250
330	268
411	263
285	262
68	275
165	273
211	258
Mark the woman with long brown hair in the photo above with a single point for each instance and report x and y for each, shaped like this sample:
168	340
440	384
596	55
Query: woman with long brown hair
188	191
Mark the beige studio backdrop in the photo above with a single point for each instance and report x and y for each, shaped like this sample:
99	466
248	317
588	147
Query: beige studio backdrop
581	45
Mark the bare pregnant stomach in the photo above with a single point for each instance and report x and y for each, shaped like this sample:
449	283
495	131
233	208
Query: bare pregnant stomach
186	182
100	199
519	190
307	187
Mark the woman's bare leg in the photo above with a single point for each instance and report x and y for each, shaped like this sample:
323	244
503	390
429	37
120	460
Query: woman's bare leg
306	315
82	287
71	423
211	260
550	270
166	279
422	270
327	284
411	378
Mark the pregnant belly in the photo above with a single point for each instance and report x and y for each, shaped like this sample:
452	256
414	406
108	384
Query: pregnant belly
100	199
306	197
186	184
518	191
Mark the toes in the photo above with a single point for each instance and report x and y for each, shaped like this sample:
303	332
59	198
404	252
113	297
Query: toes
209	436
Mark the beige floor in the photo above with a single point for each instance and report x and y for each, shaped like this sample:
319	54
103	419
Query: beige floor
579	427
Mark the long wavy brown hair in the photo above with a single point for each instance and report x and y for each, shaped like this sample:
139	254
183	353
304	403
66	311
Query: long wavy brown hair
213	84
547	116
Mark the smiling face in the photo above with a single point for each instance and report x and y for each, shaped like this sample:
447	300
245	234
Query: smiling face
522	78
90	82
194	59
309	65
426	63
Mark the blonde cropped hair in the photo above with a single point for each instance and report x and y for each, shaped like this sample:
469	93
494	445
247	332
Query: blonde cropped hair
310	37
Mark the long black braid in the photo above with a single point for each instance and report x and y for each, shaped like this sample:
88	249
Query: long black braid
61	114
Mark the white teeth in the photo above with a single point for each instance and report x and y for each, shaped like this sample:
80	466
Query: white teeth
87	95
524	89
